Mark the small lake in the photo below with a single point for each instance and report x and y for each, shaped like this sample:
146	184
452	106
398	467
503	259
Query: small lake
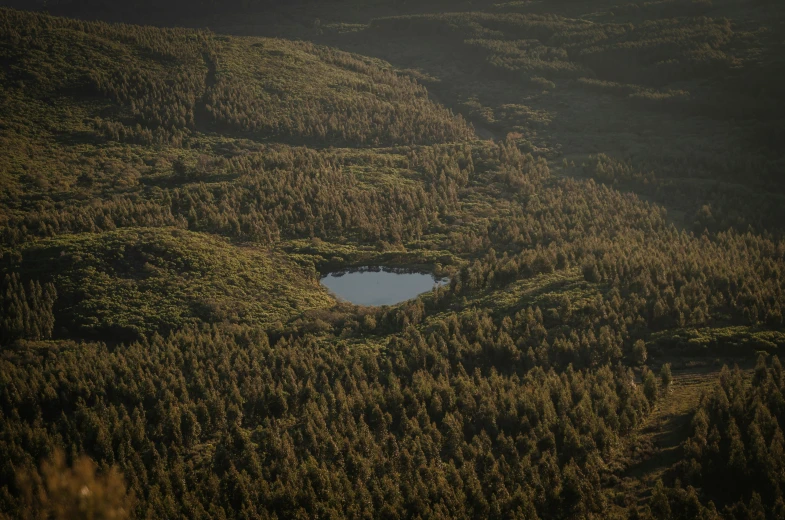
379	286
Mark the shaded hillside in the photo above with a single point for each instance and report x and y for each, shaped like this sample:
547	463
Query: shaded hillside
177	12
684	99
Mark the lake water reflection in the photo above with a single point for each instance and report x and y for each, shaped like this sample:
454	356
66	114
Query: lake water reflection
379	286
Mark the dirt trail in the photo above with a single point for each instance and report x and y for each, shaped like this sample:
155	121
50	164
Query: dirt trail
658	442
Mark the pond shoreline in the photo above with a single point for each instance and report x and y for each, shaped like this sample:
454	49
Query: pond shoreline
380	285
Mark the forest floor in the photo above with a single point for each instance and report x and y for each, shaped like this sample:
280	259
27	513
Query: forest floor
650	452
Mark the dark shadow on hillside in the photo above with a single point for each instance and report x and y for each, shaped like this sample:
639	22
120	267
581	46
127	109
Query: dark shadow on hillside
79	138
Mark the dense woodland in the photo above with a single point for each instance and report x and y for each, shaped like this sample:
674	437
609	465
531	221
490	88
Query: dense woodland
170	198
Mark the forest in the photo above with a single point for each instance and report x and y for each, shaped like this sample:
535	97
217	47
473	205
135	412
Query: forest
601	183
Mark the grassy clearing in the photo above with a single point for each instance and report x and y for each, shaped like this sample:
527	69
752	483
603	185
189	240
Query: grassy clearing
717	341
133	282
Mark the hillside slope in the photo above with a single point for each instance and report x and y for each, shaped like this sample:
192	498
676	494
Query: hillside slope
125	284
158	86
682	101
